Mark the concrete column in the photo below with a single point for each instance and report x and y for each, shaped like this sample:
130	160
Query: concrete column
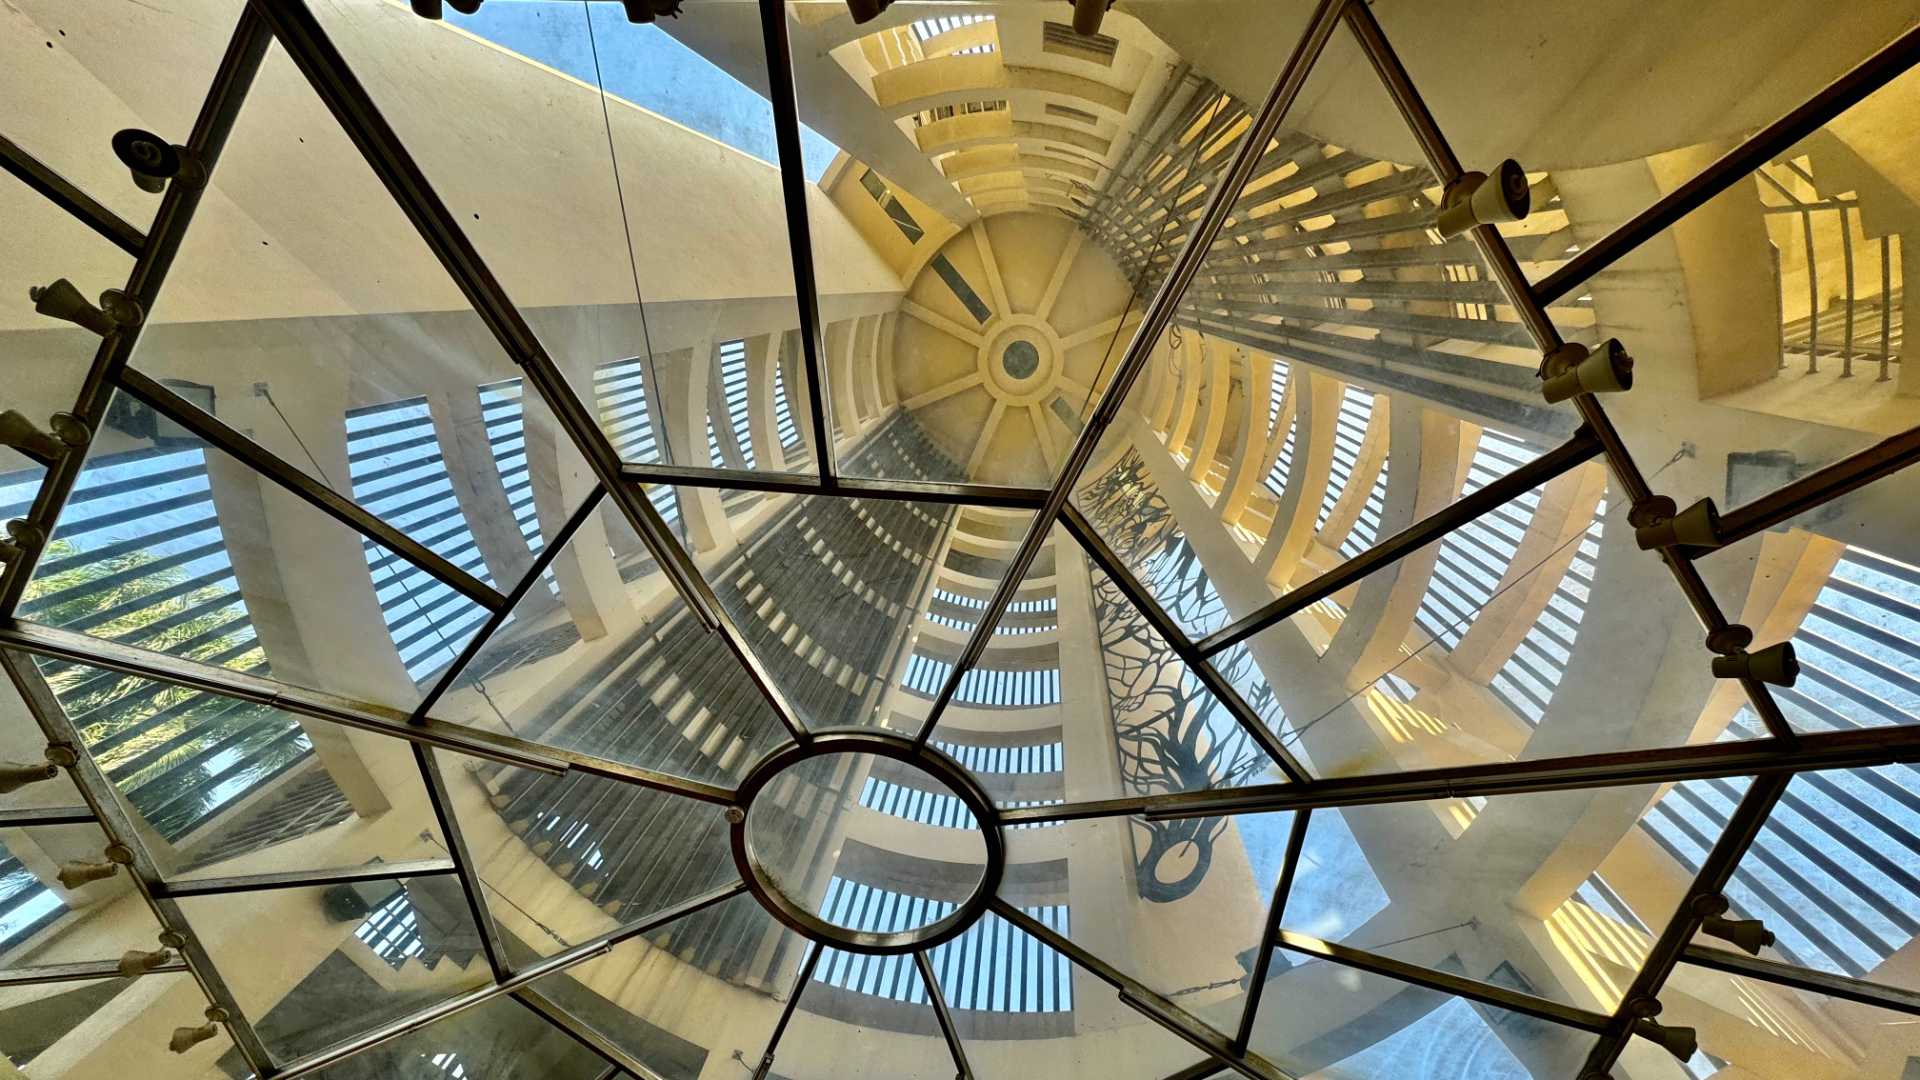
1299	507
1256	447
590	585
475	475
685	376
763	431
1367	463
1216	360
1427	452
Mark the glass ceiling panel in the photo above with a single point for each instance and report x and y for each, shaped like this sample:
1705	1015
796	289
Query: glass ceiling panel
231	787
172	546
1318	1018
499	1038
700	990
69	1028
348	957
600	656
1468	663
43	922
385	388
980	158
1776	1033
87	78
863	1017
565	858
1463	885
1759	356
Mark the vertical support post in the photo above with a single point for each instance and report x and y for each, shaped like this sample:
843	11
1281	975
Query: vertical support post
1813	295
1846	335
1886	307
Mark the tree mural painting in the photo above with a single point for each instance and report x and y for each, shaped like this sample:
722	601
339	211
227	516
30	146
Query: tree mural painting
1171	733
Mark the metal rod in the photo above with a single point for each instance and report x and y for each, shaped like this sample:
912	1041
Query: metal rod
1158	315
591	949
118	824
991	495
549	551
81	971
313	492
947	1030
302	879
1846	333
800	981
1170	631
210	129
69	197
1813	295
1457	985
1763	146
1582	447
580	1032
1743	825
1854	471
1863	991
464	864
27	817
1886	305
793	191
1276	911
1815	752
1141	998
1447	169
129	660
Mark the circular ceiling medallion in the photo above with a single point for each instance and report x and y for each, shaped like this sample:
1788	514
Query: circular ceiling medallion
796	787
1019	359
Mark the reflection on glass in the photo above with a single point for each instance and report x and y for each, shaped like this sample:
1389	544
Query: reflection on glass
343	958
65	1029
43	922
499	1038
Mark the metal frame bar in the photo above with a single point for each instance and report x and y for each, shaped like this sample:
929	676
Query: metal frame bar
68	196
800	981
81	971
947	1030
793	190
1143	999
1772	762
1276	911
117	822
302	879
313	492
591	949
1573	453
1862	991
1154	320
1816	752
850	487
27	817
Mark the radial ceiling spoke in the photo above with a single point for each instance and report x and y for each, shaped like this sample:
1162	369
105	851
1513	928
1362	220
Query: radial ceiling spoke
943	324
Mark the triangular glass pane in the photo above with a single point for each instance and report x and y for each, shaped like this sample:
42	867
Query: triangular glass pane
170	545
1178	905
598	247
1778	1032
594	662
346	958
848	601
1111	711
863	1017
75	1028
1464	653
1319	1018
566	858
1831	874
386	388
694	993
499	1038
222	787
1503	889
43	922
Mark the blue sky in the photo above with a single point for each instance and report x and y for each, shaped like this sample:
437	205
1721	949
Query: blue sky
646	66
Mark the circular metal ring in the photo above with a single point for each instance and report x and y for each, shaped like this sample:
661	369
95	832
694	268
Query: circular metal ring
765	888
